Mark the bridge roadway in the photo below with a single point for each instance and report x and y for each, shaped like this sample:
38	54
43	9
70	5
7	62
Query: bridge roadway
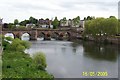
66	33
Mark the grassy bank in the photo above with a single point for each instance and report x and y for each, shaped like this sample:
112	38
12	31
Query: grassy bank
21	65
18	64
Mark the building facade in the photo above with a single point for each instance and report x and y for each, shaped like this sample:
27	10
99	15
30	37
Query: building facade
70	23
45	23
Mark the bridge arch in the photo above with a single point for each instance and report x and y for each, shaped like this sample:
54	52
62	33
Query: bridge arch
41	34
10	34
67	34
25	36
55	35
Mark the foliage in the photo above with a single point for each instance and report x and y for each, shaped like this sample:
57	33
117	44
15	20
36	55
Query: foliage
40	60
23	23
55	23
5	42
21	27
64	20
17	64
11	26
89	18
32	20
16	45
76	21
20	65
8	38
106	26
119	26
16	22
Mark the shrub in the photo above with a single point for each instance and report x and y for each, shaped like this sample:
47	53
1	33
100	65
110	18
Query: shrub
40	60
15	45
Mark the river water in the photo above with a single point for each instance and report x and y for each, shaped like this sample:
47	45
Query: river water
67	59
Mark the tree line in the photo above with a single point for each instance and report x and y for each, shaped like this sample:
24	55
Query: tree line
102	26
32	20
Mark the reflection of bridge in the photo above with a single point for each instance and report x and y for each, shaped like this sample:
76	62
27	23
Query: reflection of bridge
59	34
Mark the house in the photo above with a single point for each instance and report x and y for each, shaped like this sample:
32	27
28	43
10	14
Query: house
30	25
82	23
45	23
66	23
70	23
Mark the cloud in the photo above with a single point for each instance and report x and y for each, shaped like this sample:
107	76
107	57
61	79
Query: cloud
22	9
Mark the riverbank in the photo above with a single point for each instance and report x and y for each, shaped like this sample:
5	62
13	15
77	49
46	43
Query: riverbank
104	39
21	65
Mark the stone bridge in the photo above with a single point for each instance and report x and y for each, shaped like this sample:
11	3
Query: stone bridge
47	34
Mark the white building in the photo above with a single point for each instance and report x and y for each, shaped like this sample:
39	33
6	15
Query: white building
70	23
30	25
45	23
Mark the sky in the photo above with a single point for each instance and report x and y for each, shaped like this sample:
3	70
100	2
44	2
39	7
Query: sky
23	9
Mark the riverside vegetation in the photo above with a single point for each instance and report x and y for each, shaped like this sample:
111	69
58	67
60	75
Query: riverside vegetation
18	64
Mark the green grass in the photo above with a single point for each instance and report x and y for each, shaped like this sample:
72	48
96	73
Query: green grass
21	65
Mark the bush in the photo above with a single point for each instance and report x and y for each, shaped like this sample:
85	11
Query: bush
15	45
21	65
40	60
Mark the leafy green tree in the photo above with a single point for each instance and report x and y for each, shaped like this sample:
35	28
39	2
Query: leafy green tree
55	23
63	21
33	20
102	26
23	23
76	21
16	22
90	17
21	27
40	60
112	17
15	45
11	26
118	29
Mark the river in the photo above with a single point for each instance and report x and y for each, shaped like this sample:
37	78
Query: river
67	59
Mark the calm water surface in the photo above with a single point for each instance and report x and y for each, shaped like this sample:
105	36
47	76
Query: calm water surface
69	60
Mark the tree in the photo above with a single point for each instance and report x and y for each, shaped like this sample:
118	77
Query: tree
63	21
90	17
102	26
112	17
32	20
118	29
15	45
5	25
23	23
11	26
55	23
16	22
76	21
40	60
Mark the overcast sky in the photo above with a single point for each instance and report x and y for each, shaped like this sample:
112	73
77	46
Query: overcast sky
23	9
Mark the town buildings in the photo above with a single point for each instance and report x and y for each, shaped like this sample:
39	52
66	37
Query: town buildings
45	23
70	23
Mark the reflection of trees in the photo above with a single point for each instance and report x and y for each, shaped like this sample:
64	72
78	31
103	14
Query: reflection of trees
100	51
75	45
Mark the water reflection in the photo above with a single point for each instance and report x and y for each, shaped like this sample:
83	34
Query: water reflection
100	51
9	35
68	59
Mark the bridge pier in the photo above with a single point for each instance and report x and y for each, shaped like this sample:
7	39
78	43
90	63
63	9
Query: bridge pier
33	35
47	36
